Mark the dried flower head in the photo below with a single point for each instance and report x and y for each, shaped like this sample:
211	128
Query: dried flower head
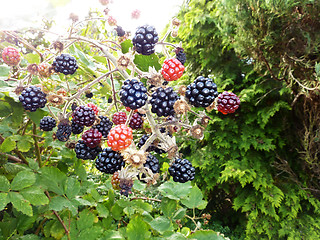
19	90
57	45
197	131
182	90
124	61
181	107
45	69
134	157
173	152
74	17
33	69
154	77
205	121
62	92
176	22
211	107
174	33
55	99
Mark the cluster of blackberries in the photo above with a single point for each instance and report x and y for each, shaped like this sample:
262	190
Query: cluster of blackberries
202	92
162	101
133	94
32	98
109	161
182	171
65	64
145	39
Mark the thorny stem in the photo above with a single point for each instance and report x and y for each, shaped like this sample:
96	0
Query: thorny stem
129	117
113	87
300	84
148	142
167	44
13	158
36	144
52	114
25	127
146	198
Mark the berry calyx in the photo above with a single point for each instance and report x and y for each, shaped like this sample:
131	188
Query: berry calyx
11	56
119	118
94	108
47	123
145	39
120	137
32	98
92	137
65	64
133	94
227	102
172	69
84	116
182	171
202	92
109	161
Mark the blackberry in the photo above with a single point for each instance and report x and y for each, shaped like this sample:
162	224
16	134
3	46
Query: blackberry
84	116
104	126
151	148
133	94
74	106
152	163
89	95
32	98
109	161
126	186
64	131
47	123
202	92
119	118
110	100
84	152
75	128
145	39
120	31
162	101
182	171
65	64
180	55
92	137
136	121
227	102
115	181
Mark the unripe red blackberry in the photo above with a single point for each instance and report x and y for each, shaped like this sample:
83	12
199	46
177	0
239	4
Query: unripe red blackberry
92	137
136	121
133	94
202	92
227	102
33	98
94	108
119	118
84	116
47	123
145	39
11	56
115	181
65	64
84	152
182	171
109	161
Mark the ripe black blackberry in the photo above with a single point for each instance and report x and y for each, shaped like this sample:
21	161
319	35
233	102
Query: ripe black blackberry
65	64
75	128
109	161
74	106
180	55
89	95
84	152
162	101
104	126
64	131
152	163
136	121
32	98
133	94
126	186
110	100
202	92
120	31
145	39
182	171
47	123
151	148
84	116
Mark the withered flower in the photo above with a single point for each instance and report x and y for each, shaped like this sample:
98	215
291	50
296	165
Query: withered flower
197	131
181	107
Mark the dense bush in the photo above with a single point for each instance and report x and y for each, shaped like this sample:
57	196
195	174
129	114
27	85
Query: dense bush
259	168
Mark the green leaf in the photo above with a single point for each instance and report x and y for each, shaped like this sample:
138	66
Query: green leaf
194	199
143	62
53	179
161	224
4	200
8	145
138	185
24	143
175	236
4	184
168	206
180	213
32	58
21	204
117	211
92	233
57	231
5	109
4	71
205	235
72	187
29	237
58	203
112	234
86	220
175	190
37	116
317	68
35	196
102	210
137	229
125	45
22	180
